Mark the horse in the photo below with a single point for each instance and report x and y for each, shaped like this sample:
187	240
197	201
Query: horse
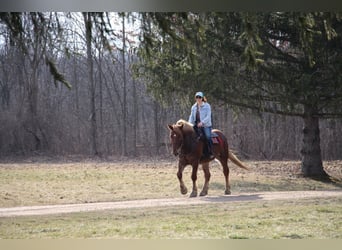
187	145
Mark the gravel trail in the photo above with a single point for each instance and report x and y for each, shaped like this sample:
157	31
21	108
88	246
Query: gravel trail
149	203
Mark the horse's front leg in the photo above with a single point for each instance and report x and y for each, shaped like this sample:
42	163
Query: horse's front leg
194	179
181	166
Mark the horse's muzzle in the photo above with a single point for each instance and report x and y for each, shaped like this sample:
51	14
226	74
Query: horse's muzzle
176	152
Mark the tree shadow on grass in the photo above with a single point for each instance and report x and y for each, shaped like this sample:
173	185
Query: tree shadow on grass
254	186
283	184
327	179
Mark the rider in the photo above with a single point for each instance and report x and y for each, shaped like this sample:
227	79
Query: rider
201	117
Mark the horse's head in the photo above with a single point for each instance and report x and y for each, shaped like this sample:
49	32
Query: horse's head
176	137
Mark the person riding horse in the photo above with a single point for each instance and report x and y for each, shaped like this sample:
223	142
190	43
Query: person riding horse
201	118
189	149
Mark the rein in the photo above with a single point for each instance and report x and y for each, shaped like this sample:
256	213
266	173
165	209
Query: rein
179	150
189	140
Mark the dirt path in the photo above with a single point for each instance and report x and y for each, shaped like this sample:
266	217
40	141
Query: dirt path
87	207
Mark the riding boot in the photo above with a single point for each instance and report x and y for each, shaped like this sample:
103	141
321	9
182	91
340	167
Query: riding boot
207	152
210	152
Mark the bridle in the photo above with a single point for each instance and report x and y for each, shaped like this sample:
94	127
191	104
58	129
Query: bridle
176	151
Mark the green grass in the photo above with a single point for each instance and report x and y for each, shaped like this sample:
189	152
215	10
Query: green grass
301	219
40	184
83	182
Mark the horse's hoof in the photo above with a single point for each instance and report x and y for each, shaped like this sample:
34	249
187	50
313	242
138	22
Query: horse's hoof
184	190
203	193
193	194
227	192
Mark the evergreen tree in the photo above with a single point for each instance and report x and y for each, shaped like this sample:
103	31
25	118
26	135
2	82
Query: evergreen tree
283	63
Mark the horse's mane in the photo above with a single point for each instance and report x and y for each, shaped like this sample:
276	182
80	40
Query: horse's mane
187	126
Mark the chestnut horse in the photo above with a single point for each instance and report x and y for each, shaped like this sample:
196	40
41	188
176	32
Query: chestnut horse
189	147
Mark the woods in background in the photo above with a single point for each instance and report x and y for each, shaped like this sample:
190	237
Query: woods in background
106	111
64	116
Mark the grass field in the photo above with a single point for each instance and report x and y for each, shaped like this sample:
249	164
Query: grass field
38	183
301	219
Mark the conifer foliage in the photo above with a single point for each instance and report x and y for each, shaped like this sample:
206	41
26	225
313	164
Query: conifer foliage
287	63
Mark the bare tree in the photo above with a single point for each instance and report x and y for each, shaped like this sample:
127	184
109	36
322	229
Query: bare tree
88	28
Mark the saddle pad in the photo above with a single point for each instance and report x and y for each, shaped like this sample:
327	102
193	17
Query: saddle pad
215	140
213	134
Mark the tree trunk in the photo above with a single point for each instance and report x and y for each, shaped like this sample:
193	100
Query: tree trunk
312	165
32	125
88	26
101	138
125	124
77	106
156	127
135	112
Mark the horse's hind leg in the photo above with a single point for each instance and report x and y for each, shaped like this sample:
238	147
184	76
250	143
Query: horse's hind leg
206	171
224	163
194	179
181	167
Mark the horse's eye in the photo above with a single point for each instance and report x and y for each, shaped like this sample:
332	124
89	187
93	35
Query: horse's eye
174	135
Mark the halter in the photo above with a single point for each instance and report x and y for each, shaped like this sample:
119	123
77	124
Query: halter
180	124
177	151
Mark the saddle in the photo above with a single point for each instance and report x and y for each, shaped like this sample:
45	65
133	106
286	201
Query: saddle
214	137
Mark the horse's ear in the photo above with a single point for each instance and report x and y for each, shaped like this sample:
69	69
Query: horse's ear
170	126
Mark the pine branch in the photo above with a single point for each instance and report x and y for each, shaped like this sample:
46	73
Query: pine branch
55	73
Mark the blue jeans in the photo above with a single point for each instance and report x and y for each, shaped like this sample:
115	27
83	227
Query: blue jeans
207	133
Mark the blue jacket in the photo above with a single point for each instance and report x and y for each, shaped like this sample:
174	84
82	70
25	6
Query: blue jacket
205	114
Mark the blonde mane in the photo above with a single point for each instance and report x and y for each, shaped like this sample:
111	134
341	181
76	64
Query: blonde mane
187	126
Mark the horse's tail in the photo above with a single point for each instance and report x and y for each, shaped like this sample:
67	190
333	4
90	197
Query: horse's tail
235	160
